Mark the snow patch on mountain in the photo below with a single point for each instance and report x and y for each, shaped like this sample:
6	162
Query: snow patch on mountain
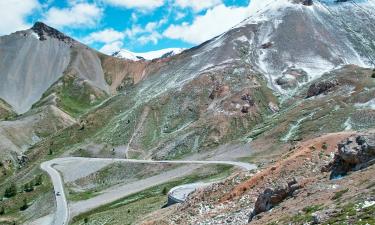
163	53
286	34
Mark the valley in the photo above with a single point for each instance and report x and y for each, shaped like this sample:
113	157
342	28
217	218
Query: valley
260	115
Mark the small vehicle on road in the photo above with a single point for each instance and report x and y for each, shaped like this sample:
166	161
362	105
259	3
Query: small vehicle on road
58	194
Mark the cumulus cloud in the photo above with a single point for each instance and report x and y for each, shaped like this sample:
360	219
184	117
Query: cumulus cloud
204	27
105	36
77	15
146	34
198	5
13	14
111	48
139	4
152	37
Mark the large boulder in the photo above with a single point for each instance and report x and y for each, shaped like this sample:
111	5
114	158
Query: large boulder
353	153
322	87
273	196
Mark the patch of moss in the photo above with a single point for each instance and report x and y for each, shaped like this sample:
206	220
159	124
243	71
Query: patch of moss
352	213
312	208
339	194
79	196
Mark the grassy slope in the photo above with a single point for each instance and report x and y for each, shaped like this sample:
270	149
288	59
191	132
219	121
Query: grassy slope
6	111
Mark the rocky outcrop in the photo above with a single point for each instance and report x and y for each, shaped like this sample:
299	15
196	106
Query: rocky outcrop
43	30
308	2
354	153
291	78
271	197
266	45
219	91
304	2
322	87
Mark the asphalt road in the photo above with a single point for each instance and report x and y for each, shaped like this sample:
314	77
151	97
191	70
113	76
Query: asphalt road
61	216
63	213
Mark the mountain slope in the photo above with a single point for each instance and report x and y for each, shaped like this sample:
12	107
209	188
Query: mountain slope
292	42
34	59
5	110
225	79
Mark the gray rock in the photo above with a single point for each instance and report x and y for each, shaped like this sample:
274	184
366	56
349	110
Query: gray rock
322	87
354	153
272	197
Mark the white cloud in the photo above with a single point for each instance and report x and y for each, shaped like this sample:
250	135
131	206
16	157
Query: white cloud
78	15
147	34
180	15
13	14
198	5
110	48
134	17
105	36
214	22
151	37
139	4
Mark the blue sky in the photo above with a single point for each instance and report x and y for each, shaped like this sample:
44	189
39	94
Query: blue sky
137	25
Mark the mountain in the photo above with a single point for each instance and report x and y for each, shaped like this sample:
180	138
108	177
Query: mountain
5	110
285	36
159	54
281	90
34	59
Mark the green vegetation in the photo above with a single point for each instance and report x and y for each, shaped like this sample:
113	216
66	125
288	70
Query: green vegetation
325	146
164	191
11	191
352	213
339	194
312	208
39	180
75	99
6	112
74	96
29	187
15	205
303	217
79	196
24	205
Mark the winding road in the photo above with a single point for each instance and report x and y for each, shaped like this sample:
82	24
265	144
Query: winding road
63	214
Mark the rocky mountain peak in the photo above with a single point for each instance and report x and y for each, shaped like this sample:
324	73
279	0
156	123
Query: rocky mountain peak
44	30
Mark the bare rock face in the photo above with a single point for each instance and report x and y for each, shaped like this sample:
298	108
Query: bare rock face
32	60
271	197
308	2
321	88
354	153
43	30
